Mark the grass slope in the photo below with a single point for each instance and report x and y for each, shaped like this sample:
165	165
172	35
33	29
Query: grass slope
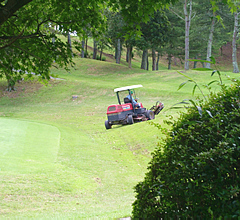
25	145
59	160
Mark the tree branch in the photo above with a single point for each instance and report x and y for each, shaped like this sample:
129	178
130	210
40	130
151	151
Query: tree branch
37	34
176	14
11	42
10	8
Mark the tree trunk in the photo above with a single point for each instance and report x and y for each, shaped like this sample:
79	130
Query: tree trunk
11	82
70	42
129	56
153	60
187	29
210	39
94	49
234	44
147	63
101	52
82	53
86	45
144	60
158	58
118	54
195	63
169	61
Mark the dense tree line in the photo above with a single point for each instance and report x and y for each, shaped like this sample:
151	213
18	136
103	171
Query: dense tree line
188	29
30	43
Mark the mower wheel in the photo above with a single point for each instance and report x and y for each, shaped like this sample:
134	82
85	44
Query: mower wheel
130	119
107	125
150	115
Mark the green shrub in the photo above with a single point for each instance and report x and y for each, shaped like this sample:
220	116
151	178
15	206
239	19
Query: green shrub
98	57
103	58
197	175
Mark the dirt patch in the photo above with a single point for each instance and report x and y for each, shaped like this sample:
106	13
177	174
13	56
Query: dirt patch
23	87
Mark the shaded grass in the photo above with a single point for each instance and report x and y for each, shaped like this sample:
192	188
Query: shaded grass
94	170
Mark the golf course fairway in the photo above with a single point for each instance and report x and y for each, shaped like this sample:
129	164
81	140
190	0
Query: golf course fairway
25	145
57	159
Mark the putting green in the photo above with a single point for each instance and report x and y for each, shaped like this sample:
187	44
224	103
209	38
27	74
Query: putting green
27	146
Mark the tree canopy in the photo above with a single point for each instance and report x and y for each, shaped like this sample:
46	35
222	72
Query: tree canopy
26	30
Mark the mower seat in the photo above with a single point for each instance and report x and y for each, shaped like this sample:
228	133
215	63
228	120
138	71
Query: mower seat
126	100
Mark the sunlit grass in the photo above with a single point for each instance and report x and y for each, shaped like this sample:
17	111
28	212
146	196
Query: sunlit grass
63	163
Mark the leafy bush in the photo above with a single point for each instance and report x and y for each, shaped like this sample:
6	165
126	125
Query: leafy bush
197	175
103	58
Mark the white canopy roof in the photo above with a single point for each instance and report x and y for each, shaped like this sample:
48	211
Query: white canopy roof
127	88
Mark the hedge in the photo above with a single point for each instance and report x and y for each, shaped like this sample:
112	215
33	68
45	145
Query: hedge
197	175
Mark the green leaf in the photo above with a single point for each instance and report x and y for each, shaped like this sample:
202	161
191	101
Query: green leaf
180	103
214	71
183	84
185	76
212	82
190	100
194	88
213	60
203	69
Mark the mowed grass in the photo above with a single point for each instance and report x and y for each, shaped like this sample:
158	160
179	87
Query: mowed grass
23	141
58	160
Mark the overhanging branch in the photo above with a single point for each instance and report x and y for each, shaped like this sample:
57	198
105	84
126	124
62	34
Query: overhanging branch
13	40
10	8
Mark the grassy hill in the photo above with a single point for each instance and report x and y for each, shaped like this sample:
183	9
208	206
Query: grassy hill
57	160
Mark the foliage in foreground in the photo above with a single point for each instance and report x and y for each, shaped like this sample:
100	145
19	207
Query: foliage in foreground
197	174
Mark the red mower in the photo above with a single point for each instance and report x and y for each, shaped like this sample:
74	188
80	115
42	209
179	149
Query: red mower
129	111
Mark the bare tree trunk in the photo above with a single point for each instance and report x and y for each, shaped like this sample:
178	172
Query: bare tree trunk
115	52
86	41
144	59
153	60
94	49
234	44
82	54
129	56
118	55
101	52
187	29
70	42
210	40
195	63
147	63
158	58
53	31
169	61
11	82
